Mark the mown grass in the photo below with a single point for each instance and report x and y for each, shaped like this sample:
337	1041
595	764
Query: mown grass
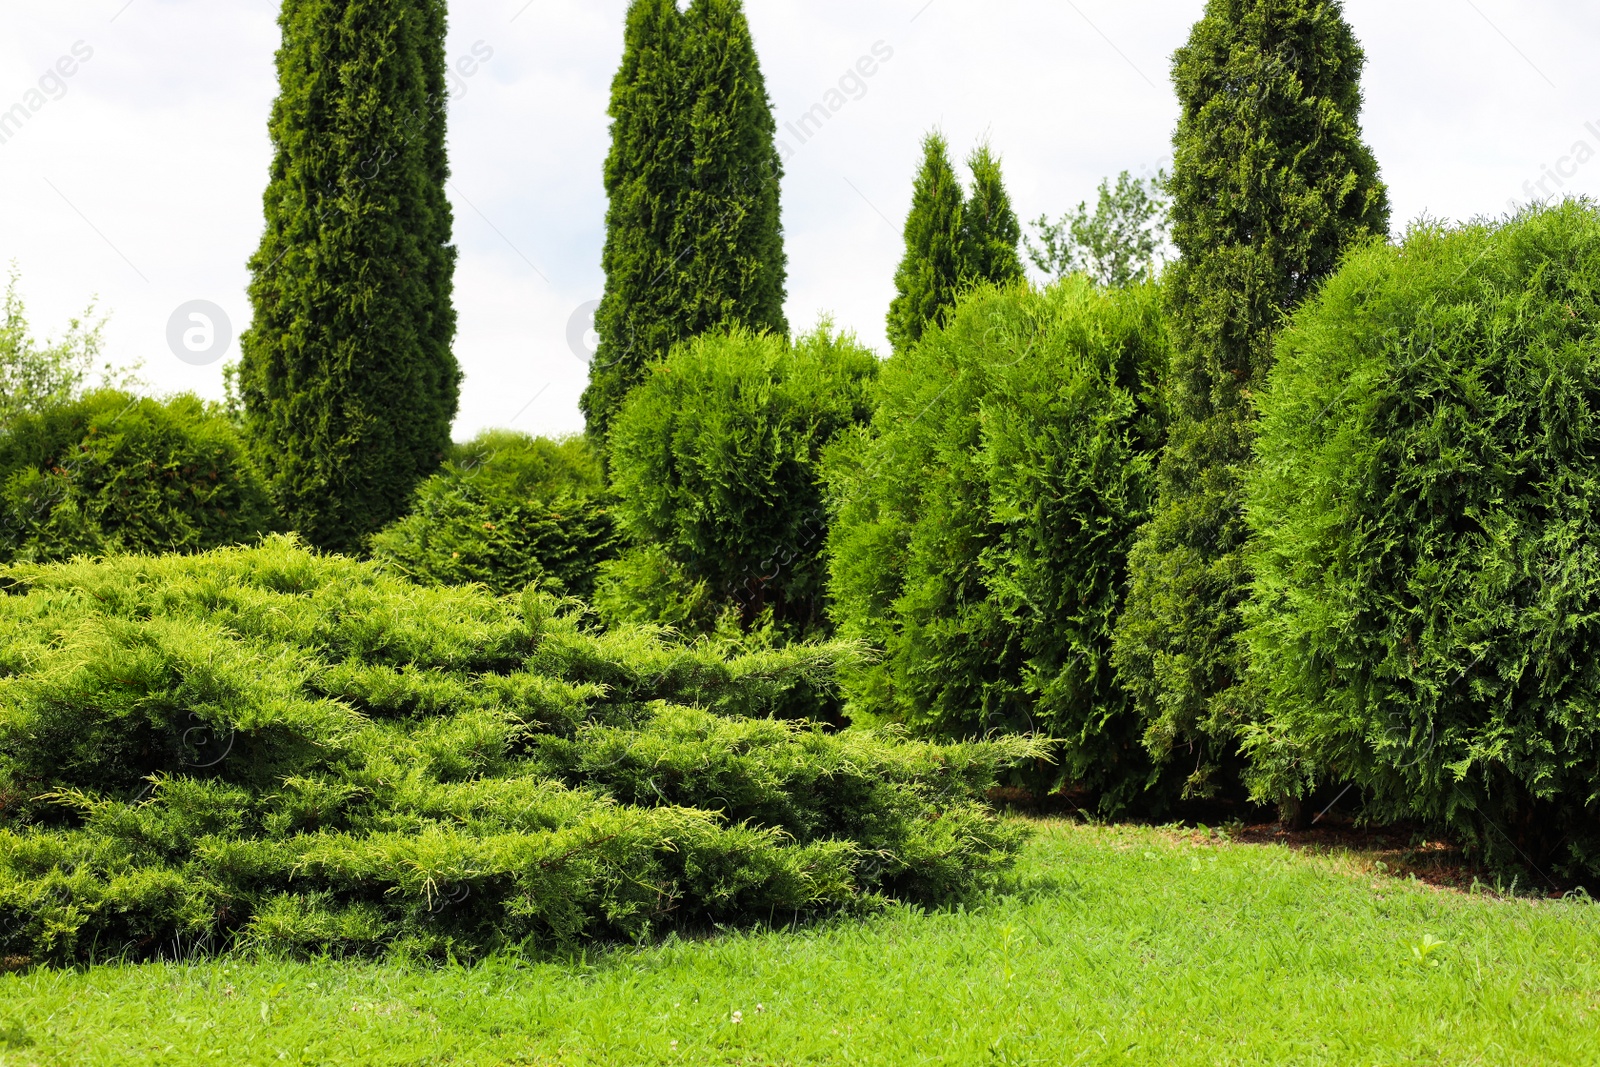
1114	945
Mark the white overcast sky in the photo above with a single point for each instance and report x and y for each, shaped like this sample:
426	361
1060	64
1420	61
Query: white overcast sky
141	184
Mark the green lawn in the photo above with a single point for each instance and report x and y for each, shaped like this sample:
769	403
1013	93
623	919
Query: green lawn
1117	945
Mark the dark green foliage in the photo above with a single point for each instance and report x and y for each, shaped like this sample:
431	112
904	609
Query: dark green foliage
1121	242
694	241
1427	515
989	227
266	747
1271	185
931	273
116	473
952	243
714	462
506	511
347	376
980	528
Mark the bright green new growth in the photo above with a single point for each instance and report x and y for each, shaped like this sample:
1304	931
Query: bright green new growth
931	273
694	240
267	747
1271	185
347	375
115	473
1121	243
1427	560
715	459
980	528
506	511
989	227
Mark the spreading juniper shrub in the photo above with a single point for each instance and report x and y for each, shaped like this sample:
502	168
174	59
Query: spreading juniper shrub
264	747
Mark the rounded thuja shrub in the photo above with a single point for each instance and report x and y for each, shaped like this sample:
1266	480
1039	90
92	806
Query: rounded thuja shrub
714	460
1426	518
117	473
980	527
506	511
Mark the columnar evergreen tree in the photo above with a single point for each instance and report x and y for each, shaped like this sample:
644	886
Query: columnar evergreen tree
694	241
738	270
1271	184
990	230
348	378
930	274
951	242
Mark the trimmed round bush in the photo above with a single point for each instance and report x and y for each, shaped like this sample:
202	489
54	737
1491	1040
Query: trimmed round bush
714	459
507	511
116	473
1426	514
981	526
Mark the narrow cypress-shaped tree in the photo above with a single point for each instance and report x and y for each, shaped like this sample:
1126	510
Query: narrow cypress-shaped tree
990	230
931	273
694	241
347	375
738	270
1271	184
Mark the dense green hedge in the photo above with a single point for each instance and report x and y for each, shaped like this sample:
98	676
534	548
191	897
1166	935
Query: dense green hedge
714	459
980	527
116	473
507	510
1426	621
265	747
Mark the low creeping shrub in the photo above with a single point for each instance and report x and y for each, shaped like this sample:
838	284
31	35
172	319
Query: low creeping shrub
264	747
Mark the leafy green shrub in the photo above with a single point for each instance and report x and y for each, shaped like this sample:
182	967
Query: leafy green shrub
266	747
714	460
506	511
981	526
116	473
1427	538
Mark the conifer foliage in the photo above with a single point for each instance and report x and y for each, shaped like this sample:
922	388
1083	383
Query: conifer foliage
272	749
989	226
348	378
952	242
694	241
1426	605
1271	184
930	274
980	526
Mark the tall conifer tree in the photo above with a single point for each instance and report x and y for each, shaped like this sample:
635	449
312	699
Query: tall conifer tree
694	241
991	232
347	376
932	270
1271	184
738	270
